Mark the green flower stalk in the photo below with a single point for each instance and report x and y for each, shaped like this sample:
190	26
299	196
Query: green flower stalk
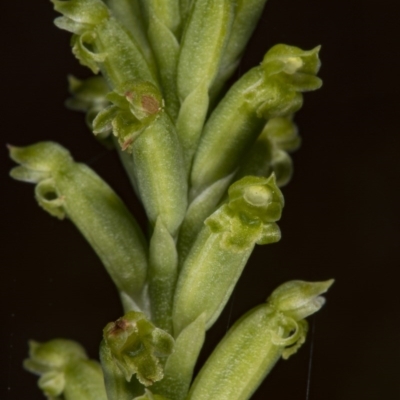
208	170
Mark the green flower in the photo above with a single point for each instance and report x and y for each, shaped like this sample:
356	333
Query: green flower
138	347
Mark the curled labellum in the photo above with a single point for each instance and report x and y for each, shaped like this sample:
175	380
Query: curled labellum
81	17
138	347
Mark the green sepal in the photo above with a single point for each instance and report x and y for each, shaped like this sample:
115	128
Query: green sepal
138	347
67	24
83	11
25	174
257	341
41	157
299	299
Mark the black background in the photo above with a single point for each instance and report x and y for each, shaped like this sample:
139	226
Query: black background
340	221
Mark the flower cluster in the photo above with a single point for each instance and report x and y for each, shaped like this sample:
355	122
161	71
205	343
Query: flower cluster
207	163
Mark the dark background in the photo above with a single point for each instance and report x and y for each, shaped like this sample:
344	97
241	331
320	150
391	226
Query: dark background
340	221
